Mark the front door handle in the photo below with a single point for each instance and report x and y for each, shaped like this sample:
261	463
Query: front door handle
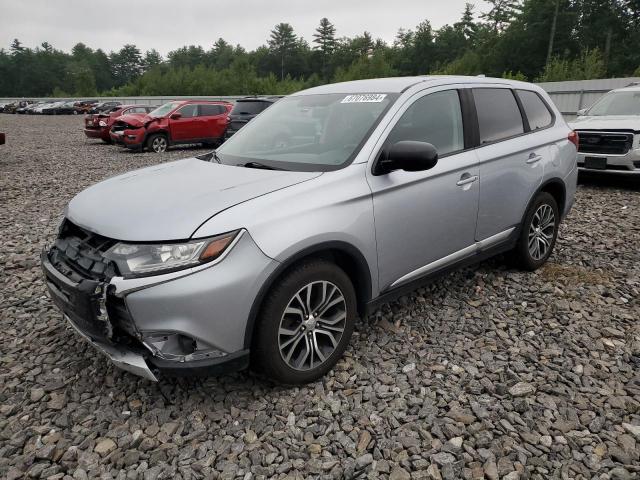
533	158
466	179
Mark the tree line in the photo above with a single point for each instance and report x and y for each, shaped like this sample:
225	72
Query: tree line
535	40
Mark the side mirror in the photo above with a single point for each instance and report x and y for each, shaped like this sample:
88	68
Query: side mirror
176	116
407	155
581	112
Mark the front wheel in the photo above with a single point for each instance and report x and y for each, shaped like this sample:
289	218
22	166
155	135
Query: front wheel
305	323
539	232
157	143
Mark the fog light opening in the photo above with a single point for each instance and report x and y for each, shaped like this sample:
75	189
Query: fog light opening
178	347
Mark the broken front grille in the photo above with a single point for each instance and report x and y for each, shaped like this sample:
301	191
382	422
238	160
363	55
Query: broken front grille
78	254
610	143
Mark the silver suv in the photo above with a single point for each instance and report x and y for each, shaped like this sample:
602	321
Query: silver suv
330	202
609	139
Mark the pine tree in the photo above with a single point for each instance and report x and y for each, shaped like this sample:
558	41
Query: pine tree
502	13
325	38
282	42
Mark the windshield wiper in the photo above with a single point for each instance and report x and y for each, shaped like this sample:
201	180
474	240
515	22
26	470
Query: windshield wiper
258	165
207	157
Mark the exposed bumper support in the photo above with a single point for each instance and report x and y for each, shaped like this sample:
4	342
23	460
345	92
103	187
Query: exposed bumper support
124	359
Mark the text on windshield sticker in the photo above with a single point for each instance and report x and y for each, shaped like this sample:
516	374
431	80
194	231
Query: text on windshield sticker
364	98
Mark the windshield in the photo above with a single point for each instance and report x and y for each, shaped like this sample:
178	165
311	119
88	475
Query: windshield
307	132
164	109
617	103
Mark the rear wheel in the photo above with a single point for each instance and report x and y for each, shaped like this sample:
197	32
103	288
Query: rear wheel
539	232
305	324
157	143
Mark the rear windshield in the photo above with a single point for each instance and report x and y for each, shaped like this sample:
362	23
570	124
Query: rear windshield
251	107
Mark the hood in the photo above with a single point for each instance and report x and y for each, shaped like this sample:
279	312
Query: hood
170	201
613	122
134	119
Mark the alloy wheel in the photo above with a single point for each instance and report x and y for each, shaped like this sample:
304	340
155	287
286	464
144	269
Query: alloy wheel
541	232
312	325
159	144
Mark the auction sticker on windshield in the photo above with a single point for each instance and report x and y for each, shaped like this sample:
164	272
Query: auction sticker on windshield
364	98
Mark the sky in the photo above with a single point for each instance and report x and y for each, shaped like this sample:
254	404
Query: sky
165	25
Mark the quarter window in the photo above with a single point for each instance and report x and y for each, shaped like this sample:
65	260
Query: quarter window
211	110
498	114
537	112
435	119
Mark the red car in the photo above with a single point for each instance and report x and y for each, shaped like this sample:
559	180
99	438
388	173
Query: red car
187	121
98	125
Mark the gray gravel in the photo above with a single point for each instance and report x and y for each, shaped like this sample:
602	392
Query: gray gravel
489	373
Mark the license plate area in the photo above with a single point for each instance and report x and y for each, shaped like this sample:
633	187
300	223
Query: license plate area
595	163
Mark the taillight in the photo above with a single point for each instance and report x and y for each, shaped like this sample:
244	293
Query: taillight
574	138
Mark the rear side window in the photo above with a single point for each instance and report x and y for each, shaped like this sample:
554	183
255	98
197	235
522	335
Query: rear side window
537	112
211	110
498	114
436	119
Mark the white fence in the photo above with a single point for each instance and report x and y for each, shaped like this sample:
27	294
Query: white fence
572	96
569	97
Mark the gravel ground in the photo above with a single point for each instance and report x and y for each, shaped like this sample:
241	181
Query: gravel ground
489	372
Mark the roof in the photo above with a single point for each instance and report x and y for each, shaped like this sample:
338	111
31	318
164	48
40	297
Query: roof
631	88
400	84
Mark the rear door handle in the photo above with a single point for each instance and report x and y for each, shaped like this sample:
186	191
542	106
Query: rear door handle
466	179
533	158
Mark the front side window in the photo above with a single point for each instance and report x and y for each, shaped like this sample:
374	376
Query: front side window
435	119
617	103
498	114
308	132
188	111
538	115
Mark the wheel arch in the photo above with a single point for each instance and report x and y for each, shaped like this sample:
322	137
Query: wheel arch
558	190
160	131
343	254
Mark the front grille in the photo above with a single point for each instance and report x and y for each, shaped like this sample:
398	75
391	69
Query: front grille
89	302
610	143
120	125
78	254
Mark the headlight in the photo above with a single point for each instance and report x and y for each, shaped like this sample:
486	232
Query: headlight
102	123
137	260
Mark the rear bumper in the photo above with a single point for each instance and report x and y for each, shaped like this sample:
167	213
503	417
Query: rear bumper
101	133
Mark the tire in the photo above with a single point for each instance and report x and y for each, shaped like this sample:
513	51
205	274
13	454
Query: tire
288	358
537	238
157	143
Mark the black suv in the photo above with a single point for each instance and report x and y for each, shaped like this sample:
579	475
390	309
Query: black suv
245	109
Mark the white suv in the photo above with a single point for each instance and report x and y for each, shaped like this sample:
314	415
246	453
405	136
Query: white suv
609	133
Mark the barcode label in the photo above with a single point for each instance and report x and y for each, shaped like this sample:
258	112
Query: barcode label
364	98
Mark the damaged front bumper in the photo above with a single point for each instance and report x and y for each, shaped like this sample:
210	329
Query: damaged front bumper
186	322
